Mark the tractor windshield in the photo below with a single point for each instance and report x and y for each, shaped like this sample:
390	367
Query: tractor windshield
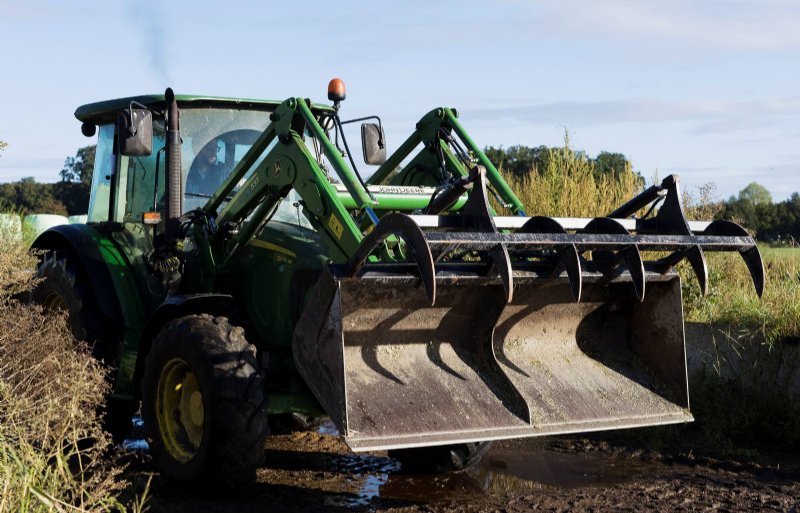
214	140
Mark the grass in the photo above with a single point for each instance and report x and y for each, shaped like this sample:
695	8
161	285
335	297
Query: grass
775	318
747	399
54	455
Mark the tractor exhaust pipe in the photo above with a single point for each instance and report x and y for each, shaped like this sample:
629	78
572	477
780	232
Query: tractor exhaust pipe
173	161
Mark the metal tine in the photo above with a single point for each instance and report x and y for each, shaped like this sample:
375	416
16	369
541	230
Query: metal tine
697	260
629	253
568	254
403	226
502	263
671	219
477	217
751	256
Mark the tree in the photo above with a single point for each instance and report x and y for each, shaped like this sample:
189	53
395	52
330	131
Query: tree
614	164
518	159
79	168
772	222
755	194
76	181
29	197
521	160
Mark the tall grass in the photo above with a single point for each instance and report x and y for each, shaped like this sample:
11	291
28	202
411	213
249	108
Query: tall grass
568	187
54	455
732	301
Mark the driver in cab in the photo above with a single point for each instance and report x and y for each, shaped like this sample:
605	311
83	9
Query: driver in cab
206	173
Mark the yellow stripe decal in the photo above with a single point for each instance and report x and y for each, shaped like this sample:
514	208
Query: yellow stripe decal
272	247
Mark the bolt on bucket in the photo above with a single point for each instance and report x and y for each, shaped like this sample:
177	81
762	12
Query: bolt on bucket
393	371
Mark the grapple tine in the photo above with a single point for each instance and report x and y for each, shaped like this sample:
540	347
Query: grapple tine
629	253
405	227
697	260
751	256
633	260
502	262
568	254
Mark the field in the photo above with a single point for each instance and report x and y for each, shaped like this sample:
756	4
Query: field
740	454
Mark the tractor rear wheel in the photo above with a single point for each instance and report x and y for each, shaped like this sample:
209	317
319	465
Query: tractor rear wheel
63	285
203	402
440	459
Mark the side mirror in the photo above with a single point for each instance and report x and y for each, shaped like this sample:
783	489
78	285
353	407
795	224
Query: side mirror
135	132
374	144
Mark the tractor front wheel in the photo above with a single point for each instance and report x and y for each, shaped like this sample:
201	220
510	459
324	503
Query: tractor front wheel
203	402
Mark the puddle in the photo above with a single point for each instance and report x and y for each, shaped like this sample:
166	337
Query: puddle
368	475
374	481
513	469
508	467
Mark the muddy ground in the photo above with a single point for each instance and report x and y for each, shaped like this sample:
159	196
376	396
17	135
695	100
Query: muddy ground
313	471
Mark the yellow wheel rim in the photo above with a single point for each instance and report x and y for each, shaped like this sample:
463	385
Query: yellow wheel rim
180	410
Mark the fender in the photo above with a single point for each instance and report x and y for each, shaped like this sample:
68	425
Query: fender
172	308
113	284
83	240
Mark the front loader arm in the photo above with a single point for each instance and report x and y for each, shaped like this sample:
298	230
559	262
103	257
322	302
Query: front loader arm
432	131
290	165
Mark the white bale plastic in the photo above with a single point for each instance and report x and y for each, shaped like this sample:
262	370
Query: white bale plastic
10	228
35	224
81	219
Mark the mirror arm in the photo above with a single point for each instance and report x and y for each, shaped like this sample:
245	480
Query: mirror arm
381	142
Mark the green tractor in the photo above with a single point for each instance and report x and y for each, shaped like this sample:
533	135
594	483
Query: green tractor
235	265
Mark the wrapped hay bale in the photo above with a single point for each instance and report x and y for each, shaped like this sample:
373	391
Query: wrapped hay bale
35	224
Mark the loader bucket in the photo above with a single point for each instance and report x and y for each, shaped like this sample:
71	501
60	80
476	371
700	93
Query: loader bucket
393	371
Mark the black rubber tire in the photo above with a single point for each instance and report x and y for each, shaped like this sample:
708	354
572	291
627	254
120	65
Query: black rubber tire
234	405
62	278
63	283
440	459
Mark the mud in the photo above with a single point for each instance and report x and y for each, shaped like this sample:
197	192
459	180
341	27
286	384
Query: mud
314	471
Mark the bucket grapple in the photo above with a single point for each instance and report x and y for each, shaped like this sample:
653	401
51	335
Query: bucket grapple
499	327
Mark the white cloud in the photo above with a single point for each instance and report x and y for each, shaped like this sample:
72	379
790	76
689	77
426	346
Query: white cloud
744	25
711	115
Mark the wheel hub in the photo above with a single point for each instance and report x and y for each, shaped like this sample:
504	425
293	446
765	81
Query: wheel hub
180	410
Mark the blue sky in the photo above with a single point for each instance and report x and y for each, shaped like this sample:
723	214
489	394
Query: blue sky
709	90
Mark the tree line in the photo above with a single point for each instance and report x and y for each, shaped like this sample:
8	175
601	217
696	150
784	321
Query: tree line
70	196
771	222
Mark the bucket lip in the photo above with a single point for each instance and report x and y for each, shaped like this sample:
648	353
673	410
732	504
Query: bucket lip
366	443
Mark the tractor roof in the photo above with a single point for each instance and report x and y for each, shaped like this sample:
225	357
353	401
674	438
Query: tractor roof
106	111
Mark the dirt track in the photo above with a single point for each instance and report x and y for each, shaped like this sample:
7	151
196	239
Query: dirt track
309	471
